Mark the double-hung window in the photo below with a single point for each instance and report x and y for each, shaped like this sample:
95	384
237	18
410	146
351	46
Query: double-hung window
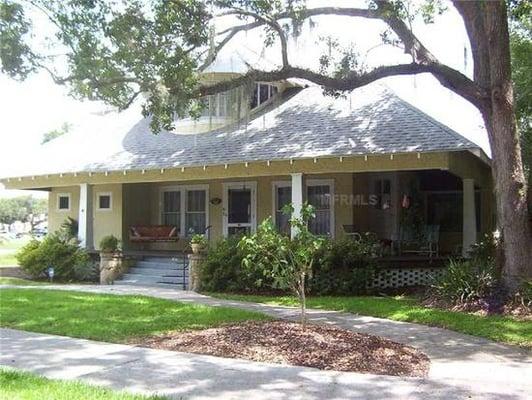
185	207
282	197
319	195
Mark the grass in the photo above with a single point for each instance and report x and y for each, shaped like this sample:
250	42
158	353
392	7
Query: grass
8	260
8	249
18	281
109	318
498	328
18	385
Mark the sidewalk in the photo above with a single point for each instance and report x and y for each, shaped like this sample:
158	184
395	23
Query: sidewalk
461	365
189	376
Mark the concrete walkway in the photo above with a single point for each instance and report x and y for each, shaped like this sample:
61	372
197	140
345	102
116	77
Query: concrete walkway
462	366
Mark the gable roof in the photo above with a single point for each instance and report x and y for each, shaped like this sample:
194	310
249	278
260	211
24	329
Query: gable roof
370	120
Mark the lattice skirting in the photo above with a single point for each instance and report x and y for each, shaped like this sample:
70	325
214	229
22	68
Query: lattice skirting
402	277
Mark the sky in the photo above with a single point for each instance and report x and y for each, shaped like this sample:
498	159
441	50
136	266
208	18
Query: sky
36	106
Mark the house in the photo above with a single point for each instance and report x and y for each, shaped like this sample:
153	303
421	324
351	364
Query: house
363	160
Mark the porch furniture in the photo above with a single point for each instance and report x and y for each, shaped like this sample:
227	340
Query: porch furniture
426	241
350	232
153	233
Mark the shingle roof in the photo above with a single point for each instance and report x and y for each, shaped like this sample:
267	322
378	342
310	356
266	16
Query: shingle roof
371	120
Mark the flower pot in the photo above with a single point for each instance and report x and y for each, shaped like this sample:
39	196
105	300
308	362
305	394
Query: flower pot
196	248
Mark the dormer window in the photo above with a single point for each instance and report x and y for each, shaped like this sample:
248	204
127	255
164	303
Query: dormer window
262	93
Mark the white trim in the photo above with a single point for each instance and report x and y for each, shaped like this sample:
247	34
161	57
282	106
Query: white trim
330	183
306	184
252	185
182	189
98	195
69	195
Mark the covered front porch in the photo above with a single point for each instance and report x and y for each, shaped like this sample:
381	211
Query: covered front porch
386	203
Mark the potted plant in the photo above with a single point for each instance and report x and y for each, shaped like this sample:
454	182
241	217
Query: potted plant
109	244
198	243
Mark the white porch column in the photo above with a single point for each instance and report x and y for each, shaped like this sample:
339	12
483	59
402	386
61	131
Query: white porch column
297	197
469	232
85	219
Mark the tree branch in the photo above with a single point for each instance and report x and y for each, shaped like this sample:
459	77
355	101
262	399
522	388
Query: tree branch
452	79
272	23
423	59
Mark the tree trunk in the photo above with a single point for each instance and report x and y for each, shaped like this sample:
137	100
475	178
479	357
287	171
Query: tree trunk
302	301
509	176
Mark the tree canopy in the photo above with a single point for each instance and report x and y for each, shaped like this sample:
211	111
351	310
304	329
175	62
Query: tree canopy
116	50
23	208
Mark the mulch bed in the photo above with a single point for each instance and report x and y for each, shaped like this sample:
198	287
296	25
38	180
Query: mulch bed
282	342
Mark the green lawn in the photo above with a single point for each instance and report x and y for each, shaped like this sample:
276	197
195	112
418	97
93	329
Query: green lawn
498	328
21	282
8	249
8	260
17	385
109	318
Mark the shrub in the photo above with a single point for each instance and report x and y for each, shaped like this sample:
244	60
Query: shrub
485	250
346	266
222	270
65	256
109	244
69	228
465	282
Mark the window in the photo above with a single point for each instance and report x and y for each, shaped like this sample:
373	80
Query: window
262	93
104	201
186	208
63	202
382	189
282	197
196	212
319	196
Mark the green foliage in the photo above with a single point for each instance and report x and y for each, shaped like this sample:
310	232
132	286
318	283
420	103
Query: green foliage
109	244
69	261
69	228
345	267
485	250
198	238
53	134
465	281
16	57
287	261
223	270
113	50
22	208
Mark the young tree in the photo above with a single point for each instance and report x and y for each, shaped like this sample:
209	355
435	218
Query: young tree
288	261
117	49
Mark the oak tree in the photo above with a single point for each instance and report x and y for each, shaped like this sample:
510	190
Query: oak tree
116	50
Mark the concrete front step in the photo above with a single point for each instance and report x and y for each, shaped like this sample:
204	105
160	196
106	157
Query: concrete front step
156	271
149	280
153	277
159	265
166	260
159	285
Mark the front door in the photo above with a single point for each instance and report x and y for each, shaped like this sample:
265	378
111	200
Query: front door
239	214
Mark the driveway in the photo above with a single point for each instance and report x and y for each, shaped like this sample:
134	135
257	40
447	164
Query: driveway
462	366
